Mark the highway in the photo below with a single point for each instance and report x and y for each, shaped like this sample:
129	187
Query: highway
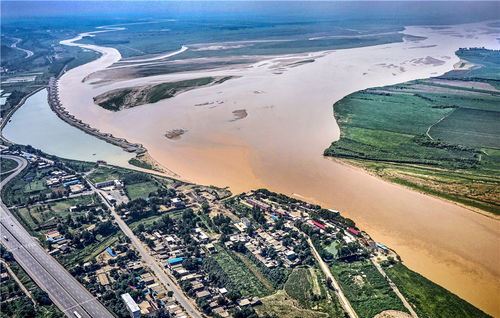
151	261
63	289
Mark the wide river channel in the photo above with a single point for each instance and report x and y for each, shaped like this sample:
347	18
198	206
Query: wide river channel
279	146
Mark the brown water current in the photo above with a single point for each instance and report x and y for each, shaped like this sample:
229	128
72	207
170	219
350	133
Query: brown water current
279	145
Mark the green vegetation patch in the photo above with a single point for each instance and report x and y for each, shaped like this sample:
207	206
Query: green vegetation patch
141	190
27	185
366	289
428	298
7	165
140	163
36	215
300	286
393	128
104	173
235	274
306	295
135	96
403	131
282	306
471	127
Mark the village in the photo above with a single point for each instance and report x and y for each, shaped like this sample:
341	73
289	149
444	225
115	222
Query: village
226	253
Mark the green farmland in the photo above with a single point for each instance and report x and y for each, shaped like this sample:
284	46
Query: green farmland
235	274
305	295
140	190
300	285
366	289
104	173
36	215
429	299
440	136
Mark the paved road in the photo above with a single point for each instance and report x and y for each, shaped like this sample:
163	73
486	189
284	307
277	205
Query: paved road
324	267
63	289
151	261
395	289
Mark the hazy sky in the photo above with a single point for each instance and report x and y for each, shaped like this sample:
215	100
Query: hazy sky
259	0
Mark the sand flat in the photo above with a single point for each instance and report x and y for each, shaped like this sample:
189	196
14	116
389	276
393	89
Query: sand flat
280	146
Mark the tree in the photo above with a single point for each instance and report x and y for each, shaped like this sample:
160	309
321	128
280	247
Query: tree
233	295
131	255
105	228
41	297
329	283
141	228
205	208
203	304
191	264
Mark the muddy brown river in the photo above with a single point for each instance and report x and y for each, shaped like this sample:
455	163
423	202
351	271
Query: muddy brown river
289	123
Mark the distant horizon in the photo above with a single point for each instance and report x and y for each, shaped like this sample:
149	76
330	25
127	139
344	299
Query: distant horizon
250	1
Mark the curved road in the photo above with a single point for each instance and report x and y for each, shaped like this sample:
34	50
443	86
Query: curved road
63	289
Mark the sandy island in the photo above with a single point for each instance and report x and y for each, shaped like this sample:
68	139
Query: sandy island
280	145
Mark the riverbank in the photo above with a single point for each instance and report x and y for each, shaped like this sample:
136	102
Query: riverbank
61	112
289	122
29	126
438	136
388	172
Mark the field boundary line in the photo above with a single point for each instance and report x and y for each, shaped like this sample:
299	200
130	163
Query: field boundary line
430	127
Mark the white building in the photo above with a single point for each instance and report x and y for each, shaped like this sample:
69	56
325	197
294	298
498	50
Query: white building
132	307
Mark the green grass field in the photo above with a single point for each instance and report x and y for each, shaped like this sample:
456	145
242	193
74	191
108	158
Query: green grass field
36	215
470	127
7	165
300	286
366	289
429	299
140	190
89	252
439	139
332	248
307	286
104	173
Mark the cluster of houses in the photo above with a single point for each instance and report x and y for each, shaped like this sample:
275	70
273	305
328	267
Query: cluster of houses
57	243
169	248
154	296
71	182
171	252
301	211
58	178
257	244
